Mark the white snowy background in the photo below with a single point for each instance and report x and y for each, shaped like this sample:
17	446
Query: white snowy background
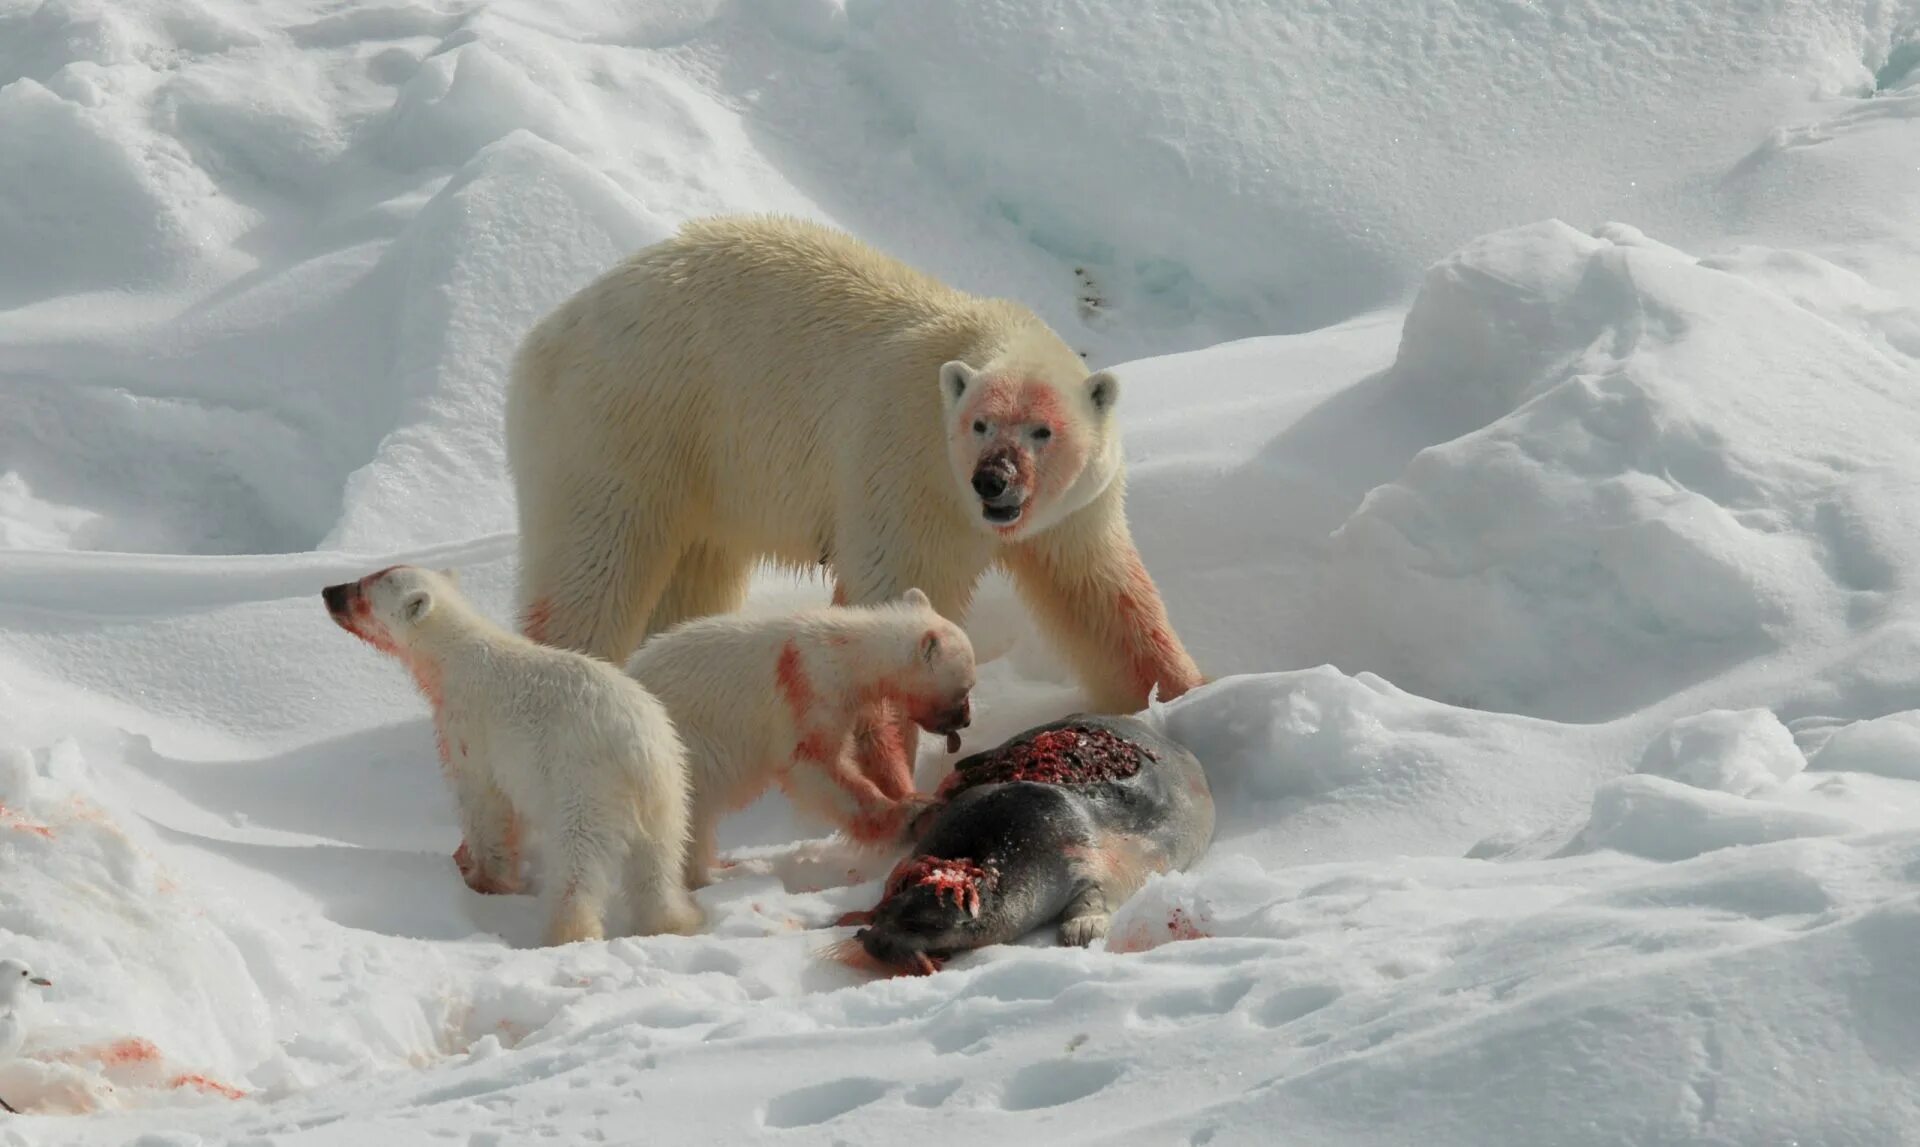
1523	413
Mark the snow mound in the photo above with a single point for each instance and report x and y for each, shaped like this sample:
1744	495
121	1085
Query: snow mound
1738	752
150	995
1623	477
504	241
1561	1008
1286	165
1888	746
1320	766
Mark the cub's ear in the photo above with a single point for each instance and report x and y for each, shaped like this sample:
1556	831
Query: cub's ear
1103	390
915	597
955	377
418	604
451	574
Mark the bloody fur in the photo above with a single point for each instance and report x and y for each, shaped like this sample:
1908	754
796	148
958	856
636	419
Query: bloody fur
1152	652
1018	403
536	621
428	677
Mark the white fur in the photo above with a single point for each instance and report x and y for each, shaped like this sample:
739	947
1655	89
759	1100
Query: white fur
765	388
582	753
722	680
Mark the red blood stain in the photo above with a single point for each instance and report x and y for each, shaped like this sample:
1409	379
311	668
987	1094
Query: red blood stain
1153	654
813	747
19	823
961	878
839	594
122	1052
1072	755
880	752
202	1083
1021	401
1182	927
791	676
536	621
874	825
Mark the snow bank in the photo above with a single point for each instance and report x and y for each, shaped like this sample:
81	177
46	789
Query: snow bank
1625	477
1286	165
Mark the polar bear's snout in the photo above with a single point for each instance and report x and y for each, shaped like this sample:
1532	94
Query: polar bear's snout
339	598
951	719
997	479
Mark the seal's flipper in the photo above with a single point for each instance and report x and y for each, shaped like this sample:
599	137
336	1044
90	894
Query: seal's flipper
1085	917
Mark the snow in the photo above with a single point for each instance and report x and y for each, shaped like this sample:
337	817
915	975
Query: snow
1521	412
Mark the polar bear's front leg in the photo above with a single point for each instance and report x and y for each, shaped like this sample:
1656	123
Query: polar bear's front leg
830	784
489	857
1085	583
886	741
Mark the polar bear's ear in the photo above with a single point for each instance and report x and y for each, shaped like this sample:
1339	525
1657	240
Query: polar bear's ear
955	377
916	598
451	574
417	605
1103	390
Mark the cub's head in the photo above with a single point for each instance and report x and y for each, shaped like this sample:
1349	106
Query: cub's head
1027	446
386	609
936	676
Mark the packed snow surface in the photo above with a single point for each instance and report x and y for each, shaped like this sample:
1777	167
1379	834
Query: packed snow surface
1522	405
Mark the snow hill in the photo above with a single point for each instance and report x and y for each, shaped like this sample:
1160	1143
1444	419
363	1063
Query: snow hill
1523	420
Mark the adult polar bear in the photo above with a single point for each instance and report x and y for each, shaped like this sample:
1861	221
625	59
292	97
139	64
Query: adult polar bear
764	388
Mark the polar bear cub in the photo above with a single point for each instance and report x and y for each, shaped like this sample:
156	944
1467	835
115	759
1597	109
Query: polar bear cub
582	752
775	700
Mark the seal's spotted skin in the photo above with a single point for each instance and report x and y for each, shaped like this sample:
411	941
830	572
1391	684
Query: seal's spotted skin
1061	823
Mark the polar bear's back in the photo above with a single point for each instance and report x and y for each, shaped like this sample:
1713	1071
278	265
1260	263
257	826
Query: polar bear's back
753	367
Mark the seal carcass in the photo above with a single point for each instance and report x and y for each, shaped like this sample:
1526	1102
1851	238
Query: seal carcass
1060	823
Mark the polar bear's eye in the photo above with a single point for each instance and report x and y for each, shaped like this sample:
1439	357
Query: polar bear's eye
1042	434
979	426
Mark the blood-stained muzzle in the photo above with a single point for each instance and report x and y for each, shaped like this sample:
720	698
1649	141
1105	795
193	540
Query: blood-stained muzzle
951	719
1001	487
339	598
949	722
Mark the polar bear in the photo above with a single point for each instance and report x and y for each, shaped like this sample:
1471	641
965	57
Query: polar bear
761	388
774	700
585	754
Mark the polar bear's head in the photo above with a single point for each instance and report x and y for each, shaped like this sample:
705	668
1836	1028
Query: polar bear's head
934	671
386	609
1027	446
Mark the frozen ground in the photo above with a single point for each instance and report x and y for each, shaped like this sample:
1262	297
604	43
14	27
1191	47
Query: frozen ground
1523	409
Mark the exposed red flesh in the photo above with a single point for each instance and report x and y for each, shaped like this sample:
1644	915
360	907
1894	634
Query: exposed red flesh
1074	755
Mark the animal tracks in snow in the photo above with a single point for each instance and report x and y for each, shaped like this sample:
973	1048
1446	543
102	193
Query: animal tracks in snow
1057	1083
808	1106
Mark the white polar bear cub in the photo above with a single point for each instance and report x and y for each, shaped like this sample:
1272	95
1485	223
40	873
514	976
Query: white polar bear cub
567	741
775	700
